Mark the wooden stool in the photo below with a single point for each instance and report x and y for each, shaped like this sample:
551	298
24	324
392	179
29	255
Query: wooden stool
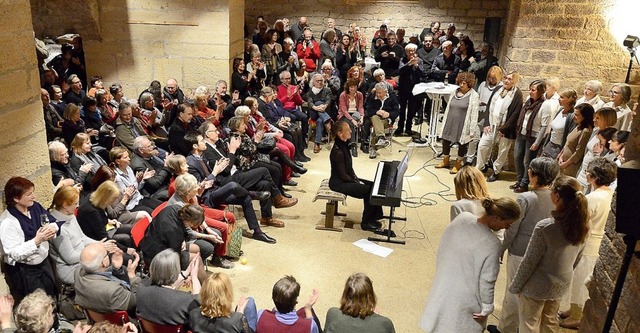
331	210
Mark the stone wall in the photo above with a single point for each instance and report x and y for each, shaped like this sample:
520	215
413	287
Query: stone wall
135	42
468	15
575	40
606	272
23	144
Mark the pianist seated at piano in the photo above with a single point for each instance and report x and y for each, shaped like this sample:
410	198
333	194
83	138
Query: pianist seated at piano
344	180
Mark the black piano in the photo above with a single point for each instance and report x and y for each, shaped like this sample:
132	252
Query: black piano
387	192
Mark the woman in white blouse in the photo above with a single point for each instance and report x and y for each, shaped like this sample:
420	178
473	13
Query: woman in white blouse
591	94
620	95
561	125
125	178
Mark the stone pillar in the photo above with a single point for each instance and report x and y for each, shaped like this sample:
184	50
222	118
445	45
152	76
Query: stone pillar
157	40
23	143
134	42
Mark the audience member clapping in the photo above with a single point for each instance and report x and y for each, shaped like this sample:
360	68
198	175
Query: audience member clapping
216	313
162	289
285	317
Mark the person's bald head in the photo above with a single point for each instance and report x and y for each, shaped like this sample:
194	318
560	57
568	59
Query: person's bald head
44	96
172	86
92	257
303	21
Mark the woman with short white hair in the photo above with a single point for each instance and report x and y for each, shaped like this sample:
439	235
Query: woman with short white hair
591	94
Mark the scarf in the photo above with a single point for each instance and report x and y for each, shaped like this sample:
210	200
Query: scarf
529	106
316	90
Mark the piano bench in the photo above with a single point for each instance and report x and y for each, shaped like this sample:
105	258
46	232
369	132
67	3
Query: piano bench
331	209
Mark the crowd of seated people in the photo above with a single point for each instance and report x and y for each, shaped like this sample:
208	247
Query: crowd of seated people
177	158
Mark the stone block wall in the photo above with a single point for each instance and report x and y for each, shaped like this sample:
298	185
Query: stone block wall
413	16
606	272
135	42
569	39
23	144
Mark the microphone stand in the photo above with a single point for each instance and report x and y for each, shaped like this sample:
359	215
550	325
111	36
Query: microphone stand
420	139
632	53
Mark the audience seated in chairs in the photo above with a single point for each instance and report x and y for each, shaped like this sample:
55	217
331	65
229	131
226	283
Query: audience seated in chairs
66	248
169	231
356	313
285	317
212	234
127	127
380	107
319	99
162	289
351	110
282	120
83	155
216	312
145	156
61	171
125	178
94	221
105	283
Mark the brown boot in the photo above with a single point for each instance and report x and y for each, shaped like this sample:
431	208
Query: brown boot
444	163
270	221
456	167
279	201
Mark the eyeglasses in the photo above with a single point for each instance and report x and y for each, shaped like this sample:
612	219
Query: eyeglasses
286	78
75	82
613	92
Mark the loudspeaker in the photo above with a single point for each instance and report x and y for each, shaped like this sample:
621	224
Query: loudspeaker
492	30
627	217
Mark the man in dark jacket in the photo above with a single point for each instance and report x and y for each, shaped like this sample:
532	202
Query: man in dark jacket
411	73
179	128
145	157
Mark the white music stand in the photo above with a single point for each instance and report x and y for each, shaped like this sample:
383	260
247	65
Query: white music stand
436	91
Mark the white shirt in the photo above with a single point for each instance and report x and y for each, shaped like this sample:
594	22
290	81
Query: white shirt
14	247
126	179
557	128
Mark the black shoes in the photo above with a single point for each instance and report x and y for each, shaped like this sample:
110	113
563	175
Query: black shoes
298	163
521	189
493	329
292	182
370	226
493	177
295	175
221	262
264	238
259	195
299	169
365	147
354	151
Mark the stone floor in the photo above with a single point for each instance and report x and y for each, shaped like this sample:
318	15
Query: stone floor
324	259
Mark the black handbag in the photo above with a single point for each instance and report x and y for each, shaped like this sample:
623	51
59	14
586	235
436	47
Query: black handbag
266	145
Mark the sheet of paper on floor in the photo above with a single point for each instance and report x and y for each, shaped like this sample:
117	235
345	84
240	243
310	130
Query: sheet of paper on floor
373	248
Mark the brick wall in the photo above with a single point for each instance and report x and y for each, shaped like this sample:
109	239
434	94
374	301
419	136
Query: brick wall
468	15
569	39
135	42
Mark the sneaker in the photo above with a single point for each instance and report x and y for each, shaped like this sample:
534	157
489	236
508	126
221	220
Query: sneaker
382	143
373	153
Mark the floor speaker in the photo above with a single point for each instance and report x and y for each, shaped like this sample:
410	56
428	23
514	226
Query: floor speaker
627	217
492	30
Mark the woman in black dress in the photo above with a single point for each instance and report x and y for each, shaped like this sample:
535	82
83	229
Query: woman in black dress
344	180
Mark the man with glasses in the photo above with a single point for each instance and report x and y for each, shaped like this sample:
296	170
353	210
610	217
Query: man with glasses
146	157
75	94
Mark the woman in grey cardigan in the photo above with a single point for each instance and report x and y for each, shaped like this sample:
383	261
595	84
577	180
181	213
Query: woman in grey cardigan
66	248
545	273
535	205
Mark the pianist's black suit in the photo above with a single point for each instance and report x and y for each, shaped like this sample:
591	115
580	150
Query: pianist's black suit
344	180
